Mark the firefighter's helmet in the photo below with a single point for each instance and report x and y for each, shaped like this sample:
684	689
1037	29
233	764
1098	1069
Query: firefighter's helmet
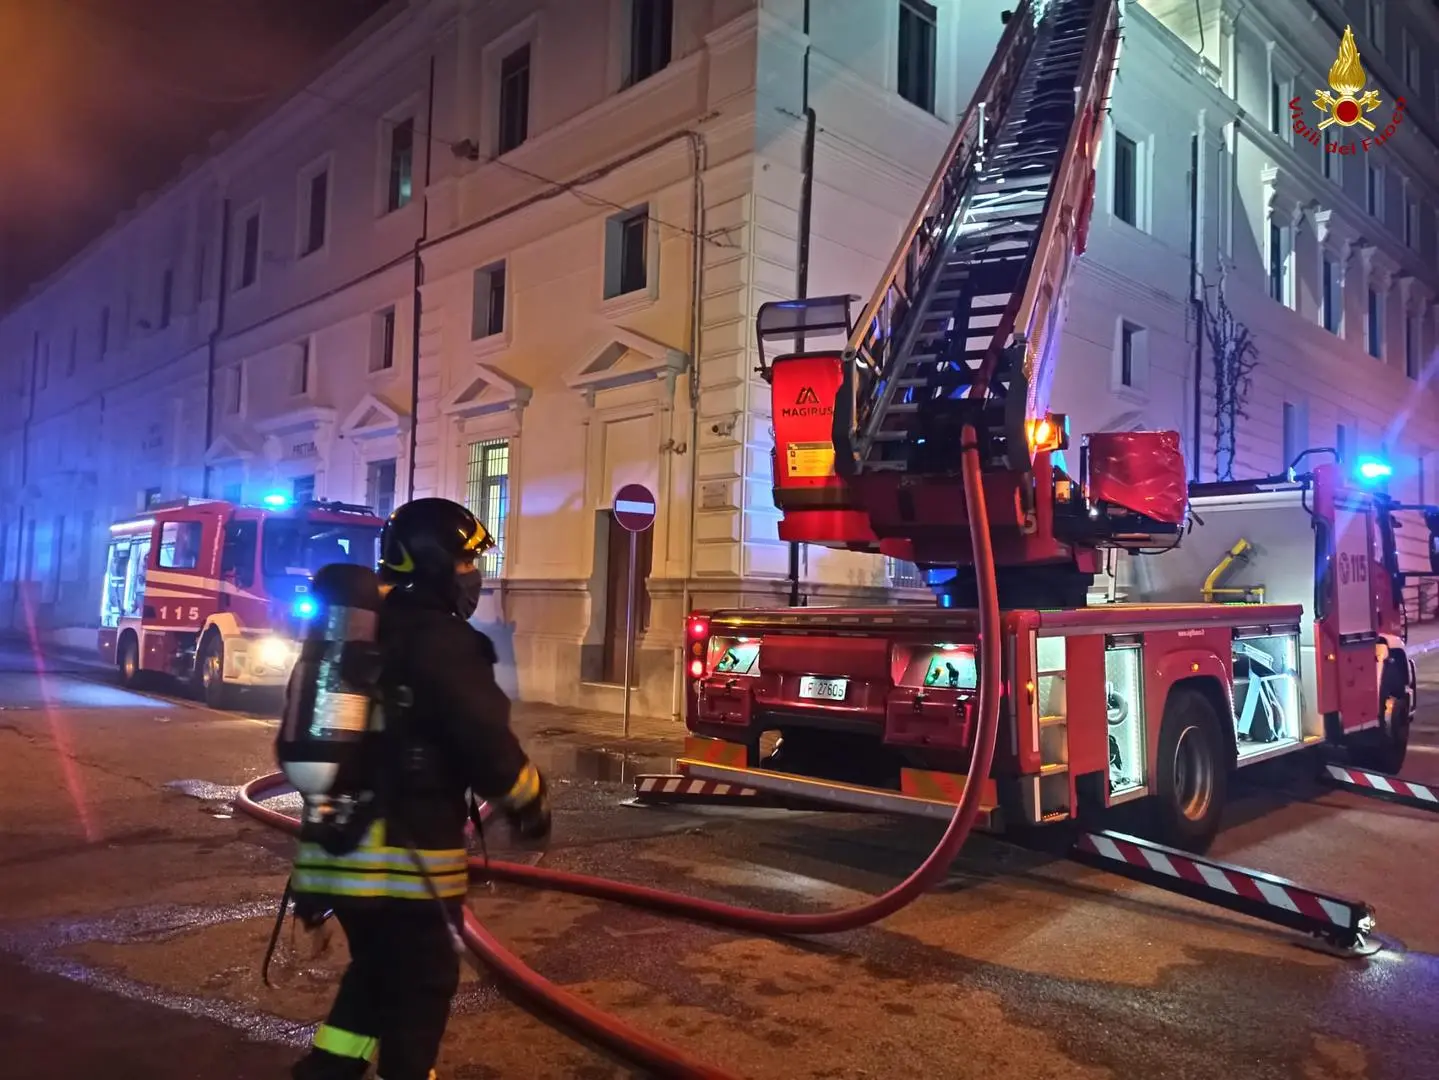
429	540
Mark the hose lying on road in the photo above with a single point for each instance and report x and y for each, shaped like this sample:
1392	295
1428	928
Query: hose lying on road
645	1050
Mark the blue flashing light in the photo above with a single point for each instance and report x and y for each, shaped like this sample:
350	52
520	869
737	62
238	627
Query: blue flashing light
1372	469
305	607
276	500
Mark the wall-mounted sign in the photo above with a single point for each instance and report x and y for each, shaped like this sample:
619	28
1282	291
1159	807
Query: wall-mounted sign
303	449
154	437
714	496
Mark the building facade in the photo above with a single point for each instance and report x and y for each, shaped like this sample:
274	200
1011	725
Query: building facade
511	253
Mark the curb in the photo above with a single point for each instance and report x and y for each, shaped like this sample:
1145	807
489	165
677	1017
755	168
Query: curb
1420	648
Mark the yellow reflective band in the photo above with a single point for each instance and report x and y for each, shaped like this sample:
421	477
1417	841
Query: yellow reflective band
345	1044
382	859
526	787
375	885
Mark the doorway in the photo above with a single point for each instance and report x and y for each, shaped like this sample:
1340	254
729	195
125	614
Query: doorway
617	583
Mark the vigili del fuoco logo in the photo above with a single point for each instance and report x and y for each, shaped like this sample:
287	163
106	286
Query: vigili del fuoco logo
1348	106
807	404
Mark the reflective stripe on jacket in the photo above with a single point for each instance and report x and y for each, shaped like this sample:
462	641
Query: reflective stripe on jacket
375	870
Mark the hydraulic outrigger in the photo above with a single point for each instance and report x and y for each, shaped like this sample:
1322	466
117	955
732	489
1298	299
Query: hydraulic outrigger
1340	922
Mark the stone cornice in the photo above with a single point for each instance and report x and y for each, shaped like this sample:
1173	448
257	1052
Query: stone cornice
1229	12
1284	198
1379	271
1335	234
1417	297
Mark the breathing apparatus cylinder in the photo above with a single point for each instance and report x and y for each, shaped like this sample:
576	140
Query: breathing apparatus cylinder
333	712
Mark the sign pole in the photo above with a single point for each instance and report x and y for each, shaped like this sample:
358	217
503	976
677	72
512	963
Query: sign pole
634	511
630	630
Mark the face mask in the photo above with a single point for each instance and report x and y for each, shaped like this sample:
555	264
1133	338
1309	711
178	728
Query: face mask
468	587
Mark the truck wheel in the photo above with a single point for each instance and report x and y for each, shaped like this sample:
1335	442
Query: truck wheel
1383	750
1191	773
210	673
127	660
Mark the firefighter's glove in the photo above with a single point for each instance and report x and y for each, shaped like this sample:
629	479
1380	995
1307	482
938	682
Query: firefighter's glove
527	806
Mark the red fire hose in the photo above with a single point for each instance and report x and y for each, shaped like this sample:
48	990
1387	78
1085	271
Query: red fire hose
645	1050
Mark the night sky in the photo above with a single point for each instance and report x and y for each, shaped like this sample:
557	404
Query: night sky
101	100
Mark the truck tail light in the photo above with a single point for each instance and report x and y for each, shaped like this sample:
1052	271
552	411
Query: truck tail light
697	629
727	655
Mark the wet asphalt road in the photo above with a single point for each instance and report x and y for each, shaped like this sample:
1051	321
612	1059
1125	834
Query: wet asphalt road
134	910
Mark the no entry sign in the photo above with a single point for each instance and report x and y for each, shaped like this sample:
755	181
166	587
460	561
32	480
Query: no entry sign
635	507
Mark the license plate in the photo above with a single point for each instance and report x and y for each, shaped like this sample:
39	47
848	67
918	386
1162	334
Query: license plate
823	689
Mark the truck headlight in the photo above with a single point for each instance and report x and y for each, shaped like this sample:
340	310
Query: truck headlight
274	652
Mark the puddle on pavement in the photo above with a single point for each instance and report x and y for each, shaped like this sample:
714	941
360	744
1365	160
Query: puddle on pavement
586	764
218	800
39	947
597	764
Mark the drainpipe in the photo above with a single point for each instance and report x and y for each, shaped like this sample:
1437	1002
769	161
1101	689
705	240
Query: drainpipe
697	207
213	356
1196	293
419	281
20	548
806	198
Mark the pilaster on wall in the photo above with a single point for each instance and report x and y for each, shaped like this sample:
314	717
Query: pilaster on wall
432	426
726	396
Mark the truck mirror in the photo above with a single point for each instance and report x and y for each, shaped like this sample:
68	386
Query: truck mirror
1431	519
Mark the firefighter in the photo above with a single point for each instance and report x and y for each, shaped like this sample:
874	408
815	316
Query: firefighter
452	739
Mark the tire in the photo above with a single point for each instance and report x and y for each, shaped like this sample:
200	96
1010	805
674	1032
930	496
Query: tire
210	674
127	660
1191	773
1384	750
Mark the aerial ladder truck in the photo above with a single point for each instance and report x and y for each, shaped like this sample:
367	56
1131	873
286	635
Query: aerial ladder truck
1158	698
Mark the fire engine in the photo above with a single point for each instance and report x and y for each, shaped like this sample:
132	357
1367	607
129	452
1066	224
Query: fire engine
214	593
1153	636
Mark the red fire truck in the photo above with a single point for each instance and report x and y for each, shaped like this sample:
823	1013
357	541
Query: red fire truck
214	593
1153	636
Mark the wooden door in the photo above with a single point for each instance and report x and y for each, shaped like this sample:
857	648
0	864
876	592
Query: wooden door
617	581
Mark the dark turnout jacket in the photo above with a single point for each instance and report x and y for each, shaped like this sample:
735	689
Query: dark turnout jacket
453	736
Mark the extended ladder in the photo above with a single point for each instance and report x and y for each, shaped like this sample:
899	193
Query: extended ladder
963	324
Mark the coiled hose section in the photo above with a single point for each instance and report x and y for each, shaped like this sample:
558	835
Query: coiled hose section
644	1050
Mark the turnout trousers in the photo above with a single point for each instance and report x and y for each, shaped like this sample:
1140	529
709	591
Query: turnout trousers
394	998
